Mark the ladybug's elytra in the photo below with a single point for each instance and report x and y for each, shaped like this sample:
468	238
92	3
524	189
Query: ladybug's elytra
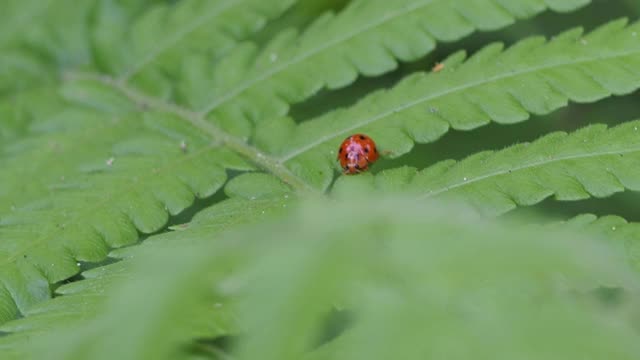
356	153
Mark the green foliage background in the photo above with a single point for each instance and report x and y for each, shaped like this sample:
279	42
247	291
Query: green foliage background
169	189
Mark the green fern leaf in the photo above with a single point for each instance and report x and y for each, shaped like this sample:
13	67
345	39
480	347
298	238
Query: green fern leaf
153	222
619	232
38	41
367	38
237	127
103	93
594	161
119	37
211	27
97	196
168	186
30	53
117	115
399	263
83	299
505	87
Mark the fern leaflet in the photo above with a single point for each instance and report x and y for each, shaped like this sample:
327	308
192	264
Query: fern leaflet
594	161
368	38
530	77
451	267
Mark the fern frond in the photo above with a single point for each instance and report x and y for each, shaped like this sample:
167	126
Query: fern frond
532	76
116	115
97	187
37	38
395	266
83	299
84	92
148	46
619	233
594	161
153	46
368	38
17	16
203	315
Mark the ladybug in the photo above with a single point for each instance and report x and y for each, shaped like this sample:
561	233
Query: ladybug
356	153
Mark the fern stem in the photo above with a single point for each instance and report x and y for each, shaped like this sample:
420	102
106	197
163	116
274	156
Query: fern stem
198	120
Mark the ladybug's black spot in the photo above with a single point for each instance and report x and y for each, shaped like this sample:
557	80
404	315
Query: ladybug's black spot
366	150
346	156
357	167
375	150
362	137
340	150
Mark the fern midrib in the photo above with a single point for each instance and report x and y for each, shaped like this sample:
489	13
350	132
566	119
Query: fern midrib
175	38
366	121
169	167
526	166
244	86
199	121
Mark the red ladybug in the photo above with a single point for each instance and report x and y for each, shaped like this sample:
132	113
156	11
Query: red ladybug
356	153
